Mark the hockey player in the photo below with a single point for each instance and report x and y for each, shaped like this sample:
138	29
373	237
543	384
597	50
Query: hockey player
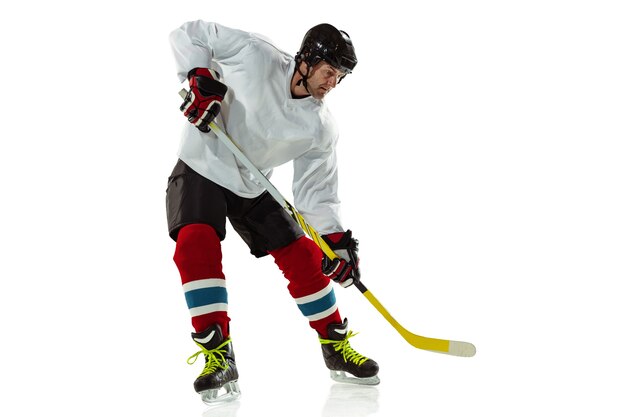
273	105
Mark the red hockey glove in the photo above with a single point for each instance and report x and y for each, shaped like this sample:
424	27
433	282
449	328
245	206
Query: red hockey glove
204	99
345	269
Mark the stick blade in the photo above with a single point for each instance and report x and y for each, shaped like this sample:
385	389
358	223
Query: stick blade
449	347
464	349
444	346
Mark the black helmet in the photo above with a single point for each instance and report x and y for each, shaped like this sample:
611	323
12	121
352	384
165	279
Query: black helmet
325	42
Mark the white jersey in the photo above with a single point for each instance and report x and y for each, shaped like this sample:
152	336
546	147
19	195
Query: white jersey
259	113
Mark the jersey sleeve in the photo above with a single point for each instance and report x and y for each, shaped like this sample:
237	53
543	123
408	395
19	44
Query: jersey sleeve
199	43
315	186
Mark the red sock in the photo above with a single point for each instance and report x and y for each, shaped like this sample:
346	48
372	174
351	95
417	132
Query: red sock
300	262
198	257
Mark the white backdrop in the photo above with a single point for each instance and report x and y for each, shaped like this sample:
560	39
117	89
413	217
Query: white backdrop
482	169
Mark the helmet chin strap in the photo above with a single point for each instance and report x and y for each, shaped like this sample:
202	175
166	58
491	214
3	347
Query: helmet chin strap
302	81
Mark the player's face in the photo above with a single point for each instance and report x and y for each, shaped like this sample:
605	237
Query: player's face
322	79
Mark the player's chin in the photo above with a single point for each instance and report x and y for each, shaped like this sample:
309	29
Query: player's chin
321	93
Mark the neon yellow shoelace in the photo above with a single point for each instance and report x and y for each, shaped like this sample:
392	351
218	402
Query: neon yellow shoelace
346	350
214	358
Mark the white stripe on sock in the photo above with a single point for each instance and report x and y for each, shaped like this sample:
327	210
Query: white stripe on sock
204	283
211	308
316	296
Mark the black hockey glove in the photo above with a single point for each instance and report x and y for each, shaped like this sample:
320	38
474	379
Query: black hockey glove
344	269
204	99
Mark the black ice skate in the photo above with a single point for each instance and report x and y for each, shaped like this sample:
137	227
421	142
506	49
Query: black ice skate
220	371
341	358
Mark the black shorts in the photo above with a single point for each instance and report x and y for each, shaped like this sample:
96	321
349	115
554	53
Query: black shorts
261	222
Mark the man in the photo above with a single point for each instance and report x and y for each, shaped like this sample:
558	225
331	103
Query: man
272	104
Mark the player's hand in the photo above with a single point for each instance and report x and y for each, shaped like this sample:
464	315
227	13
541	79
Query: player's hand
204	99
344	269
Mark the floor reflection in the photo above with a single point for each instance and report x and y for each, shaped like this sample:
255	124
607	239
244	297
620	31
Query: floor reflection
227	409
342	400
351	400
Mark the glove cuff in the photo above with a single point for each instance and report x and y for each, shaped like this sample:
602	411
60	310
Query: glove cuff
204	72
338	239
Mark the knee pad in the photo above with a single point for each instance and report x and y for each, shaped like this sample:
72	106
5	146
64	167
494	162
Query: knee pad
302	253
198	253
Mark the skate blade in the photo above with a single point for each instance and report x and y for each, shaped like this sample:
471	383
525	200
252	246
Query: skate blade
341	376
229	392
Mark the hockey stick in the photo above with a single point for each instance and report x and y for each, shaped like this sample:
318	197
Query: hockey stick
450	347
